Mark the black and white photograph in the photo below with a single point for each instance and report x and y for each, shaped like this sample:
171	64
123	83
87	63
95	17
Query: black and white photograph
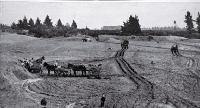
99	54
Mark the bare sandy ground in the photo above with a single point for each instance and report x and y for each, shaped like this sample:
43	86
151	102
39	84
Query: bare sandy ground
21	89
175	74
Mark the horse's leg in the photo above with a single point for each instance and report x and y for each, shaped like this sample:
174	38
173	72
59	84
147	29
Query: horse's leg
177	53
172	50
48	72
74	73
40	71
70	73
85	72
55	72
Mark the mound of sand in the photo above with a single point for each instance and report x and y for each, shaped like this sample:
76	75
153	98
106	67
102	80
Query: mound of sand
174	38
14	38
113	40
80	37
74	38
160	38
12	71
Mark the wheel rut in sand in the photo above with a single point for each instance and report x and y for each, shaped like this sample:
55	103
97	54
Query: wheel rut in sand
149	88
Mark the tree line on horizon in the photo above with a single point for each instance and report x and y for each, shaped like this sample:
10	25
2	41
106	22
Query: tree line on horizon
129	27
45	29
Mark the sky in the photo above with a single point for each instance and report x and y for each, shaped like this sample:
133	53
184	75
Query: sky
95	14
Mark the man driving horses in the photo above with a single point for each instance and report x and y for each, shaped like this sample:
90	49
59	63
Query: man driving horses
173	50
103	99
176	51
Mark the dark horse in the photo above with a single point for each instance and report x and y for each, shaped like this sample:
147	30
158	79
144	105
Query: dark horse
84	40
77	68
50	67
124	44
40	60
174	50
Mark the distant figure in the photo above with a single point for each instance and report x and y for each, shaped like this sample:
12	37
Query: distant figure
174	50
103	99
109	48
84	40
43	102
150	38
124	44
152	62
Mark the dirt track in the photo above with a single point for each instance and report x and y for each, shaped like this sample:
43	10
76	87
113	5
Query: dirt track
148	87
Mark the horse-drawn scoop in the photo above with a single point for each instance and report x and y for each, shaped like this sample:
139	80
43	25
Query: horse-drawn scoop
35	68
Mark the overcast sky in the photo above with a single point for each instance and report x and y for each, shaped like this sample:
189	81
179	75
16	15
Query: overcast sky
97	14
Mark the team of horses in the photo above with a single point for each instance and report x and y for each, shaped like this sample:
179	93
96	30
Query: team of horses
63	71
35	66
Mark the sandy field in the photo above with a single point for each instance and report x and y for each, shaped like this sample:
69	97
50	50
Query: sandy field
150	59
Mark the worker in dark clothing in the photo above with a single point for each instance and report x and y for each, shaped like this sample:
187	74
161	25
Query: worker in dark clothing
176	51
103	98
43	103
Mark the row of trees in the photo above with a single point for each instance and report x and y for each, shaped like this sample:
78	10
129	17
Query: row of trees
189	21
45	29
25	24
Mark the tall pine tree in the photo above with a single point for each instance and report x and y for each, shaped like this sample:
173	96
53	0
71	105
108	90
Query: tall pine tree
38	22
20	24
47	22
59	23
31	23
74	25
198	22
132	26
188	21
25	23
13	25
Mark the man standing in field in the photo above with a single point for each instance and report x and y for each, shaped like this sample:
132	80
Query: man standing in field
103	99
43	103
